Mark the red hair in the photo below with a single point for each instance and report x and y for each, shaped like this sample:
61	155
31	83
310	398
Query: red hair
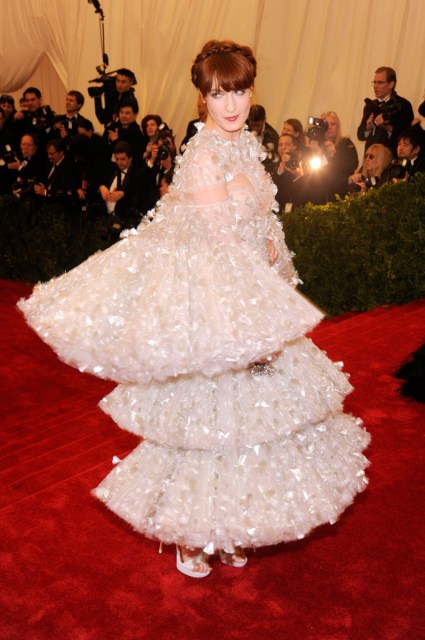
225	65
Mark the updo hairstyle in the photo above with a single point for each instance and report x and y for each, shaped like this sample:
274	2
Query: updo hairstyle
225	65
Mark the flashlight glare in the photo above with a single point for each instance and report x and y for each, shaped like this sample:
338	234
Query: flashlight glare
315	163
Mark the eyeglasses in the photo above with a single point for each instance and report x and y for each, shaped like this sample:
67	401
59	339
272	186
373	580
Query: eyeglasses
379	82
370	156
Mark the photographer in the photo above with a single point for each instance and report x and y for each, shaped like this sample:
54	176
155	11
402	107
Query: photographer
267	136
61	179
113	90
92	157
159	162
36	118
126	129
7	103
385	117
287	174
329	160
374	172
66	125
121	191
28	167
410	155
341	156
150	126
7	153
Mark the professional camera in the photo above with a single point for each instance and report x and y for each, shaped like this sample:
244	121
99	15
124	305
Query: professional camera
293	162
43	118
370	182
388	109
164	151
106	81
8	156
398	170
317	129
70	124
164	134
112	126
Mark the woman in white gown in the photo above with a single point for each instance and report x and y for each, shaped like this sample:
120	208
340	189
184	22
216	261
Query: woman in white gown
196	316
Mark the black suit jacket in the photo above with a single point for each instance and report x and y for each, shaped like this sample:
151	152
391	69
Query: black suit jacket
112	101
128	208
135	138
399	121
64	179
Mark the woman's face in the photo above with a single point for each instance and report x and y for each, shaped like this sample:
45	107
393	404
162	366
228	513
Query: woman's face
289	129
151	128
332	129
285	147
7	108
370	163
228	111
28	147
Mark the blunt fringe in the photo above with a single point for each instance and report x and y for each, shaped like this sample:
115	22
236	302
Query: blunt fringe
225	65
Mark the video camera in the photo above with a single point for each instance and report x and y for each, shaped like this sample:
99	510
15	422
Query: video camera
387	109
106	81
317	129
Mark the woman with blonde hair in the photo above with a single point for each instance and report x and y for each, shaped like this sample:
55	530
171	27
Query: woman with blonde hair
340	158
374	171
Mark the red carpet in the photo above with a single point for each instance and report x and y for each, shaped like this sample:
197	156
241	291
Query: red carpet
70	570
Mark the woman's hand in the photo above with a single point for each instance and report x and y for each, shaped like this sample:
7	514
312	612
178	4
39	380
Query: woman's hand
272	251
270	358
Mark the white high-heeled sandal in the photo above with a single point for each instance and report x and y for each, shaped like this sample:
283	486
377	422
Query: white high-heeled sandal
230	558
188	567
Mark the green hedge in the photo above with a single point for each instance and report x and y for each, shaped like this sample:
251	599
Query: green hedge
39	240
353	254
363	251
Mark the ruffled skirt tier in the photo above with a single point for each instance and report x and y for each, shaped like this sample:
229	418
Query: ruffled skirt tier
247	496
239	459
170	300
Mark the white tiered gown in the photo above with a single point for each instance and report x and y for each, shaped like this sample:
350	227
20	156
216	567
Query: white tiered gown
176	312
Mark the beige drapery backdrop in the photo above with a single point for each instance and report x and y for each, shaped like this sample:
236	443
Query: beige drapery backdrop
313	55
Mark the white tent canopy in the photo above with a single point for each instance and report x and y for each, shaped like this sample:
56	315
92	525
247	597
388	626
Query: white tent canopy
313	55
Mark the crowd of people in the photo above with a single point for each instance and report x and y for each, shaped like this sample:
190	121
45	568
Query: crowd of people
126	169
61	158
